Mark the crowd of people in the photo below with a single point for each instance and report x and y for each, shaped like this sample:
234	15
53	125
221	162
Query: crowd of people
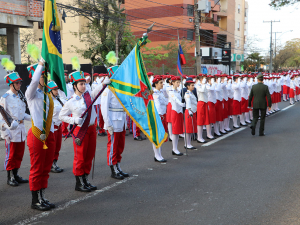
187	106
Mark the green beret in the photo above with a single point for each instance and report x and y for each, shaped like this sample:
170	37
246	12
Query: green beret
260	76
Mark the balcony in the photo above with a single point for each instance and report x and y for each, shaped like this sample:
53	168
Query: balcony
209	20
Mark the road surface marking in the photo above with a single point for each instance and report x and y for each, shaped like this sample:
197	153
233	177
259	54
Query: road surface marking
287	107
72	202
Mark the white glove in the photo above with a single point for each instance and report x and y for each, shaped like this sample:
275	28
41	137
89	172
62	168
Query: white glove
229	81
110	130
251	80
106	81
219	80
182	104
204	80
239	80
13	125
225	79
212	80
190	113
255	79
6	135
79	121
42	60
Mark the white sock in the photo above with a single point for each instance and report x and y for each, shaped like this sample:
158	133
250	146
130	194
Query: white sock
157	152
222	126
216	128
247	115
251	115
284	97
226	124
242	118
234	118
175	138
199	133
291	100
170	130
208	131
188	141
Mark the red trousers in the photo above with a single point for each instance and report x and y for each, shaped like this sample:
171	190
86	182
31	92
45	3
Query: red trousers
100	120
14	155
40	160
58	140
115	147
64	128
136	132
84	154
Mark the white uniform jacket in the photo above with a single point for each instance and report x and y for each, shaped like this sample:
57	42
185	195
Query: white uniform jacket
225	91
219	92
236	91
76	106
160	101
190	101
56	111
16	109
176	100
202	92
35	100
112	112
244	90
211	95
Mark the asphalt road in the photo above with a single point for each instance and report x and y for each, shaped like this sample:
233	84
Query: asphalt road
241	179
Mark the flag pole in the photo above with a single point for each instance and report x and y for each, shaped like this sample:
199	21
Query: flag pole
185	141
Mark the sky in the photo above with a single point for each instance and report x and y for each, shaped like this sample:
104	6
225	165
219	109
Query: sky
259	11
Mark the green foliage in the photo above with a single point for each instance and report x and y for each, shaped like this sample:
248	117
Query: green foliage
289	55
280	3
100	34
253	62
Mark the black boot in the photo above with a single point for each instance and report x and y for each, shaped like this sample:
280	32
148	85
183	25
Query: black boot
37	203
44	200
11	179
115	173
87	183
18	178
80	186
120	171
55	168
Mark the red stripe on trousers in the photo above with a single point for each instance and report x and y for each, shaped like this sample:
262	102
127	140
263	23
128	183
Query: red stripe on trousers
14	155
40	160
84	154
115	147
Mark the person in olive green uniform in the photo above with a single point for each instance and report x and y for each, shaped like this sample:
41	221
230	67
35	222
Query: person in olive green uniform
260	93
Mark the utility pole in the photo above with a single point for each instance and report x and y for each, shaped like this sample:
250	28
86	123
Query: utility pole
271	50
197	37
276	42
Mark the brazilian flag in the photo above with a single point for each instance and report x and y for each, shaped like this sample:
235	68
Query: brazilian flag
51	45
131	86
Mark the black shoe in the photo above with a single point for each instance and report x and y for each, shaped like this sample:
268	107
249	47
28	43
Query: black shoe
120	170
243	124
191	148
170	139
219	135
223	132
130	132
115	173
262	134
228	130
252	130
143	138
37	202
18	178
201	141
138	138
179	154
101	134
44	200
180	136
156	160
80	185
210	138
236	127
11	179
55	168
87	183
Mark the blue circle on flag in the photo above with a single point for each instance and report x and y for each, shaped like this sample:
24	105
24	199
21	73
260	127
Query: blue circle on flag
55	38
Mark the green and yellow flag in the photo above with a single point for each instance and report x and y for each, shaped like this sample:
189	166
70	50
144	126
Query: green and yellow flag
51	47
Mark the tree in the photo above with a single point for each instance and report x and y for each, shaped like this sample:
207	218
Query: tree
253	62
280	3
105	20
288	56
3	45
26	37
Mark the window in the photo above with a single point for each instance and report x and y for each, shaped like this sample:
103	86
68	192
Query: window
190	10
190	35
239	8
41	25
238	26
246	13
238	43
